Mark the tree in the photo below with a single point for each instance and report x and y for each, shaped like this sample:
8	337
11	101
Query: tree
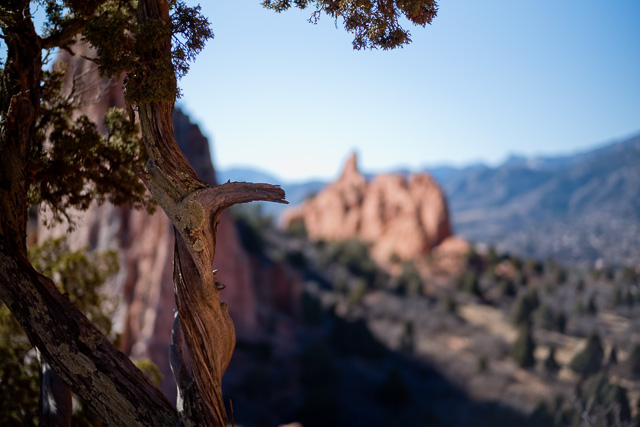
633	363
550	363
77	274
50	156
589	360
524	306
523	348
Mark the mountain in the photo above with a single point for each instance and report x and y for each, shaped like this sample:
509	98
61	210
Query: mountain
577	208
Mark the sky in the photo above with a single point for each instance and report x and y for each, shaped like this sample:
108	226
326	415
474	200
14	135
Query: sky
487	79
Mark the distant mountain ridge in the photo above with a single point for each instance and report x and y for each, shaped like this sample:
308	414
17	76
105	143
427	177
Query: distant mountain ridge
577	208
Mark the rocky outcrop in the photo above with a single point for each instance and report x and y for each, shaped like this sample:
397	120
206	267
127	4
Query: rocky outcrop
143	287
405	217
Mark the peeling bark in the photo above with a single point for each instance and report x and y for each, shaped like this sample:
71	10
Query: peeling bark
194	209
103	377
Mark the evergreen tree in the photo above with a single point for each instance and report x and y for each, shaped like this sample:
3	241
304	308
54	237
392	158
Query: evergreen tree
524	307
523	348
605	399
589	360
613	356
633	363
51	155
550	363
546	318
591	308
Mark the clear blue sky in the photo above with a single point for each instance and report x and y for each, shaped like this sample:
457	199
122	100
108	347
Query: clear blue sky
486	79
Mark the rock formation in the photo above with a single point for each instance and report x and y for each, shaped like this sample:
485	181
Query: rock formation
398	216
143	286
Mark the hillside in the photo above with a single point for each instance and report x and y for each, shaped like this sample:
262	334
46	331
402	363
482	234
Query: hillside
574	208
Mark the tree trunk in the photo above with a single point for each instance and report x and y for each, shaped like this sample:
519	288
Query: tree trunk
104	378
194	209
95	370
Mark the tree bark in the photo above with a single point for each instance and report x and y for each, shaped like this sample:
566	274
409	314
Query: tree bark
103	377
96	371
194	209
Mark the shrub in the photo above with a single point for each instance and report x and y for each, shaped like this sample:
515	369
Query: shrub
633	363
524	306
409	281
589	360
523	348
550	363
606	400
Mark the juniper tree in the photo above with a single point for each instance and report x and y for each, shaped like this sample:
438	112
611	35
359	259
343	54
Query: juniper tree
50	155
523	348
589	360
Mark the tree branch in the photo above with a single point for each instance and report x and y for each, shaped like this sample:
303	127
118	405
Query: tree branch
102	376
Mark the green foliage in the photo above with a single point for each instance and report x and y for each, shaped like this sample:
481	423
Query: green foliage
591	307
296	258
610	398
297	229
507	288
407	341
357	291
548	319
19	385
482	365
523	348
70	164
77	274
353	254
524	307
613	356
633	363
589	360
409	281
470	282
374	24
150	369
151	53
251	225
550	363
449	304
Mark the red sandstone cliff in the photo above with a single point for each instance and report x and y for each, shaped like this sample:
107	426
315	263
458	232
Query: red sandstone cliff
408	218
143	286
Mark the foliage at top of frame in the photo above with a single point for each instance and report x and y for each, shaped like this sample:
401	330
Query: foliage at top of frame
374	23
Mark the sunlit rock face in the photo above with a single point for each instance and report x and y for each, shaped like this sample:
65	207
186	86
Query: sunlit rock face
398	216
143	287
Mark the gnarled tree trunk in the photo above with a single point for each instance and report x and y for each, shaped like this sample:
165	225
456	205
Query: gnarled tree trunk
102	376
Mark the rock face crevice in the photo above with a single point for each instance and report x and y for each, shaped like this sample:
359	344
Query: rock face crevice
397	216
